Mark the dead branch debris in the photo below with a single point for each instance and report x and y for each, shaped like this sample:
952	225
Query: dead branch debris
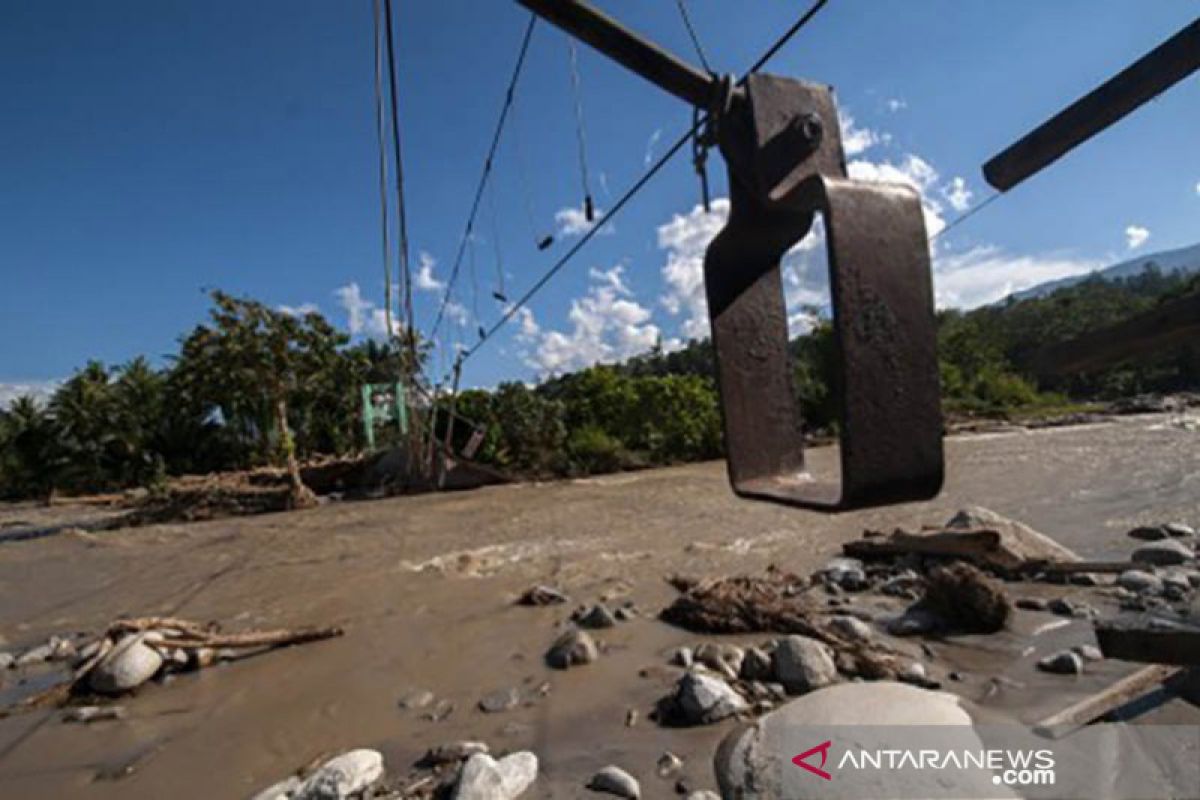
131	651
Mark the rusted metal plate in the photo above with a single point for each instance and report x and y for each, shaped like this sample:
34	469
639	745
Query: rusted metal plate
883	313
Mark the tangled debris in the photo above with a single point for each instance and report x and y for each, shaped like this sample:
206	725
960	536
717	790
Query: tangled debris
132	651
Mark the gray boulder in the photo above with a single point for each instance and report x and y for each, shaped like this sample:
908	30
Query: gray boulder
573	648
701	699
851	628
485	778
1140	581
1166	553
342	776
749	766
803	664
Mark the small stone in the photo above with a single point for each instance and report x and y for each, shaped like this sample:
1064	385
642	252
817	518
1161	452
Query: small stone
1063	607
1140	581
1031	603
1083	579
913	672
598	616
668	764
439	712
851	628
845	573
342	776
701	699
1064	662
616	781
1179	530
724	659
956	676
1088	652
915	621
1149	533
452	753
906	584
485	778
631	717
541	595
703	794
573	648
967	598
756	665
1163	554
803	664
500	700
86	714
625	613
416	698
7	660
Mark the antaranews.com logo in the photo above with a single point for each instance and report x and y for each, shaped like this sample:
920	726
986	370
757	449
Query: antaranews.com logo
1009	767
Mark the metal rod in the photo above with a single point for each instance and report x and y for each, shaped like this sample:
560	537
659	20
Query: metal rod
1149	76
634	52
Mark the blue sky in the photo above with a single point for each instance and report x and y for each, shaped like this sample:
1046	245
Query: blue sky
152	148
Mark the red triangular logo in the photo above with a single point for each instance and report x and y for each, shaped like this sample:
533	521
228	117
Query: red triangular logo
823	749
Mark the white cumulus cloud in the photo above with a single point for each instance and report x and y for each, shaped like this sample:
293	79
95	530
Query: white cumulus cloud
986	273
363	316
957	194
1136	236
856	140
572	221
300	310
895	104
606	324
425	280
39	390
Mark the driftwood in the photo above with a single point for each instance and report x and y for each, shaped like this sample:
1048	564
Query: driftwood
1107	700
169	633
1147	639
978	546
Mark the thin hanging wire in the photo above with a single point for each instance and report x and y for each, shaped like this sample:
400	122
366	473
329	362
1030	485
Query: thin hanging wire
381	135
522	170
687	23
487	166
403	261
580	136
500	294
965	216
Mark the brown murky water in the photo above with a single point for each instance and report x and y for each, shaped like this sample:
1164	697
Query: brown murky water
424	587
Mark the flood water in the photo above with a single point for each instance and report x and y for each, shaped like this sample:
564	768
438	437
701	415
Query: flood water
424	587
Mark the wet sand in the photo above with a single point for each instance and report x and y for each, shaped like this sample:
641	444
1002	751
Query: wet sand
424	587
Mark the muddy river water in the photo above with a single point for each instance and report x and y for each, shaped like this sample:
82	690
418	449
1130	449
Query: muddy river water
424	587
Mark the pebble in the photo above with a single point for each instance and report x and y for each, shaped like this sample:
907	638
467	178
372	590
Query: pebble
1031	603
701	699
1064	662
914	622
803	664
1140	581
86	714
342	776
756	665
598	616
668	764
34	655
845	573
1149	533
1069	608
128	665
1088	652
616	781
485	778
914	672
1163	554
542	595
453	752
703	794
852	628
682	657
7	660
416	698
500	700
725	659
1178	529
573	648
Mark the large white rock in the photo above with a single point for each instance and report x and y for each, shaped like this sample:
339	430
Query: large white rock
128	665
485	778
754	762
704	699
342	776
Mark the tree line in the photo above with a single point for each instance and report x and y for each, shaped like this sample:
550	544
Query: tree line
255	386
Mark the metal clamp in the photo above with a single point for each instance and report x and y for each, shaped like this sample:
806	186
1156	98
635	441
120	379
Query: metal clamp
786	165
